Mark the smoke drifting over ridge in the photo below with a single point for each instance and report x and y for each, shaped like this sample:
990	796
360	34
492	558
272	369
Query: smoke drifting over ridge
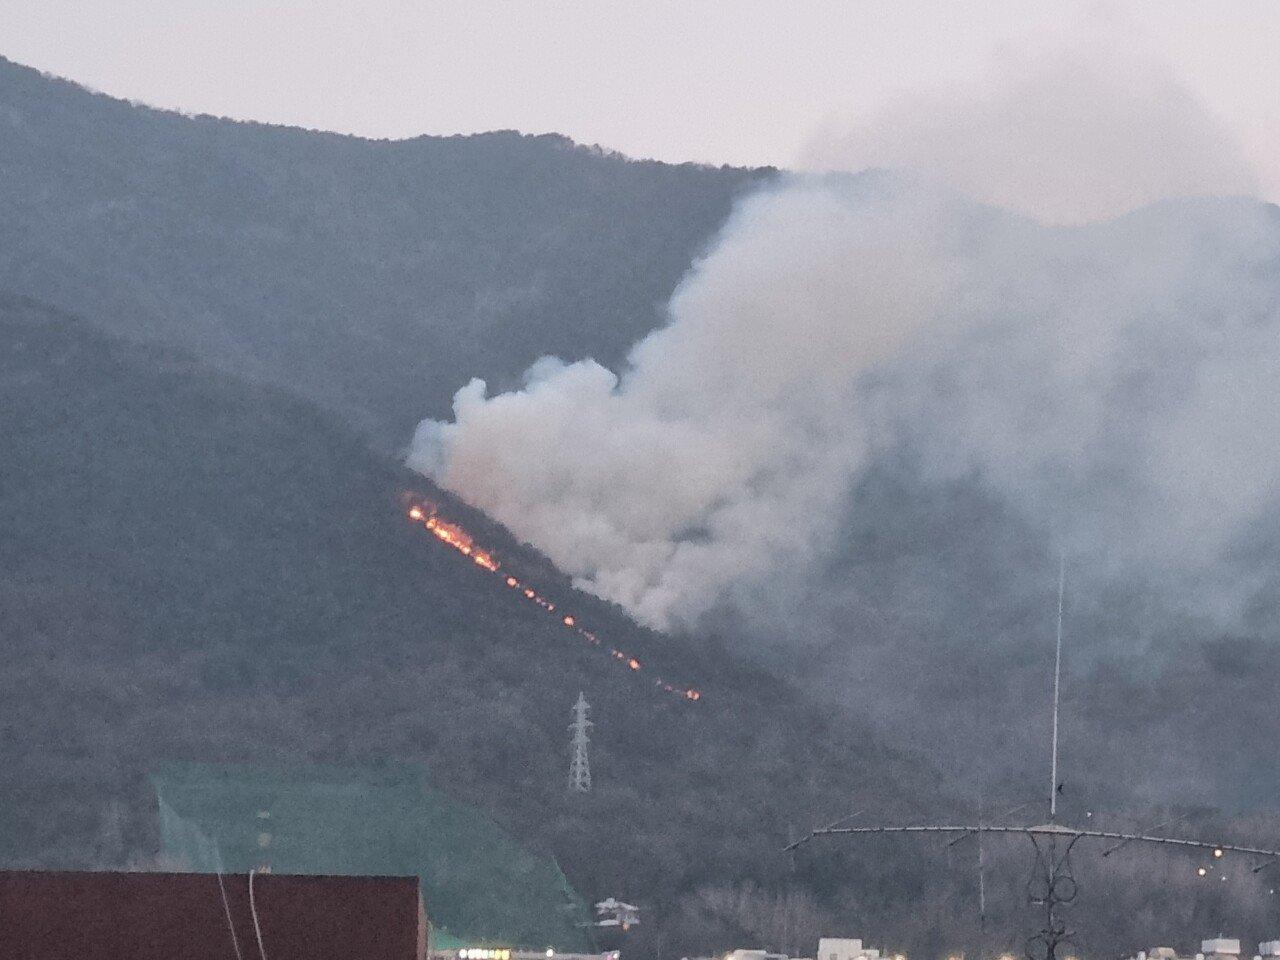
1121	381
1118	382
1066	135
721	451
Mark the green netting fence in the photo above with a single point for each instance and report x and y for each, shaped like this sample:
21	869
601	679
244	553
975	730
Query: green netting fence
480	886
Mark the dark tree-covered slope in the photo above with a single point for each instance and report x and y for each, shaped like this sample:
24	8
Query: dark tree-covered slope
196	569
375	277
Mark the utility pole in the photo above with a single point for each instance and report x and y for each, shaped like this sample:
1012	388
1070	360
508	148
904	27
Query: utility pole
579	767
1057	682
982	891
1053	885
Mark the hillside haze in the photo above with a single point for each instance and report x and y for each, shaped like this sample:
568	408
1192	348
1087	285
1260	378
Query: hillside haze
374	277
216	339
880	420
199	569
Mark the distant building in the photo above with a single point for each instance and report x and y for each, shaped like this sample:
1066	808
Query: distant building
833	948
614	913
192	916
1160	953
829	948
754	955
504	953
1219	948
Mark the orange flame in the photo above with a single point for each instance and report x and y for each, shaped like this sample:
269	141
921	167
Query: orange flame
453	535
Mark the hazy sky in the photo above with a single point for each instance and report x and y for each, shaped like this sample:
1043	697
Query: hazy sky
737	81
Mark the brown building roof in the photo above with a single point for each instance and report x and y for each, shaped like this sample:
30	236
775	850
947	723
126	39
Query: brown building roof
182	916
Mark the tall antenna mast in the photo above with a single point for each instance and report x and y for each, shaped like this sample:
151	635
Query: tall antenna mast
1053	884
982	887
579	767
1057	680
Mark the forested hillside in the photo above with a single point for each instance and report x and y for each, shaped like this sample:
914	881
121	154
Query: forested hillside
374	277
218	336
198	569
195	569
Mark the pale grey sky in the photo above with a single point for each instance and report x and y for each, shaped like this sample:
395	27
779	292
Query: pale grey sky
735	81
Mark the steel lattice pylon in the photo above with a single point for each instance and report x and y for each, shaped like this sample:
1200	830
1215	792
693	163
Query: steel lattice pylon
580	766
1052	885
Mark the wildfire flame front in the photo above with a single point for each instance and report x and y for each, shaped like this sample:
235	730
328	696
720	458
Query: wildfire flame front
453	535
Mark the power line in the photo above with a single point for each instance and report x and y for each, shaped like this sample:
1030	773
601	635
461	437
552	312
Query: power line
1044	830
226	908
253	909
1057	679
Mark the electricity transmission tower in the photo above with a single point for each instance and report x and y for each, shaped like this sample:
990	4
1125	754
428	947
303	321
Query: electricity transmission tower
579	767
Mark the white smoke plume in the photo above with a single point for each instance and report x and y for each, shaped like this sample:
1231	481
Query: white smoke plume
1066	135
1120	380
722	449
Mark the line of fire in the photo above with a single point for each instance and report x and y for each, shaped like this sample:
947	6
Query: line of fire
452	535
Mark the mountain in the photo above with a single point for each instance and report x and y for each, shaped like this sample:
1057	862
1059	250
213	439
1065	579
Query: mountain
193	568
374	277
202	558
198	569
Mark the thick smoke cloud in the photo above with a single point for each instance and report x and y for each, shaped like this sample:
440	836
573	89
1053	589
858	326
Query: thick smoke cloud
721	451
1064	135
1118	382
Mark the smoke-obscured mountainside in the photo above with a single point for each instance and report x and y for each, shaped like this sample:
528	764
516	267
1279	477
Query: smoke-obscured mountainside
878	417
373	277
376	278
197	569
840	454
